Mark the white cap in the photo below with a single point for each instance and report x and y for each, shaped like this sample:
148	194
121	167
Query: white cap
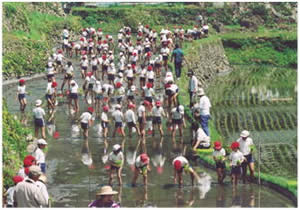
98	82
41	141
201	92
132	88
72	82
118	106
110	52
116	147
245	133
181	109
50	64
121	53
128	65
120	74
38	102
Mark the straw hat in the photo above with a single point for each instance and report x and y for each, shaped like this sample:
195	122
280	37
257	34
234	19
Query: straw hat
201	92
38	102
245	133
43	178
106	190
30	148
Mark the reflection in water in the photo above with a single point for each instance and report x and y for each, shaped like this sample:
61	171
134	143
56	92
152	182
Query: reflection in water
248	196
51	127
179	198
141	195
75	131
220	197
204	184
98	129
236	197
86	156
158	159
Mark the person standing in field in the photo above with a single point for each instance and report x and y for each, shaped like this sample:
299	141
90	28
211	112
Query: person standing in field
178	58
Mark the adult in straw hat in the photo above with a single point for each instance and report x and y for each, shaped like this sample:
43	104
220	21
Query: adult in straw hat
204	106
104	198
247	148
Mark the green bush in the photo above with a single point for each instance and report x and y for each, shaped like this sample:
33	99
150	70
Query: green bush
14	145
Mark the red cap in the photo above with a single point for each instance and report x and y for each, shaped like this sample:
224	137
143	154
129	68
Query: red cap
59	51
83	29
81	39
167	85
106	36
133	66
147	26
235	145
89	74
140	33
149	85
83	52
99	29
147	103
72	44
28	160
131	106
118	84
103	57
91	109
177	165
26	170
99	42
149	68
105	108
159	170
90	40
105	41
144	158
158	103
134	54
149	54
17	179
217	145
21	81
54	84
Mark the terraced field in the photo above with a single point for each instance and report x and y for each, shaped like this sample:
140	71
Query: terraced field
262	100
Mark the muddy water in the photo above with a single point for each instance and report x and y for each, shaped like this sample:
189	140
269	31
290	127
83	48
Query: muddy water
76	168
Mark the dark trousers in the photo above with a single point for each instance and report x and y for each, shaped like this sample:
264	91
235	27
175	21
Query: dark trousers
178	69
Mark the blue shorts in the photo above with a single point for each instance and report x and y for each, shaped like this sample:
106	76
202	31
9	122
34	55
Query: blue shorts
94	68
21	96
118	125
48	97
237	170
130	97
43	167
220	165
39	123
131	124
84	125
99	96
84	68
177	121
156	120
110	76
90	87
149	99
74	95
104	124
140	119
249	158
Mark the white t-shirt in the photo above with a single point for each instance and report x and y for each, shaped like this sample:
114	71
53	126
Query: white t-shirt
85	117
129	72
236	156
97	89
116	159
118	116
39	113
21	89
139	163
165	51
245	145
143	73
150	74
39	156
74	89
69	69
182	159
94	62
204	105
59	57
120	91
176	115
173	88
157	112
149	92
201	135
50	70
141	110
104	116
218	153
130	116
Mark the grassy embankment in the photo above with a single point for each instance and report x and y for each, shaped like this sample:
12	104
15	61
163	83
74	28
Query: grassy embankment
267	46
28	38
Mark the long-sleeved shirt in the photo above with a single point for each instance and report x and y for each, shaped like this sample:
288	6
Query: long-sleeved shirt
193	84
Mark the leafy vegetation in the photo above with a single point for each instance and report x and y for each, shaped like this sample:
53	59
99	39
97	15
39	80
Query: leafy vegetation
33	38
14	145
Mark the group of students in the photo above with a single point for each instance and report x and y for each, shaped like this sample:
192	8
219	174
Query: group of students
110	85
